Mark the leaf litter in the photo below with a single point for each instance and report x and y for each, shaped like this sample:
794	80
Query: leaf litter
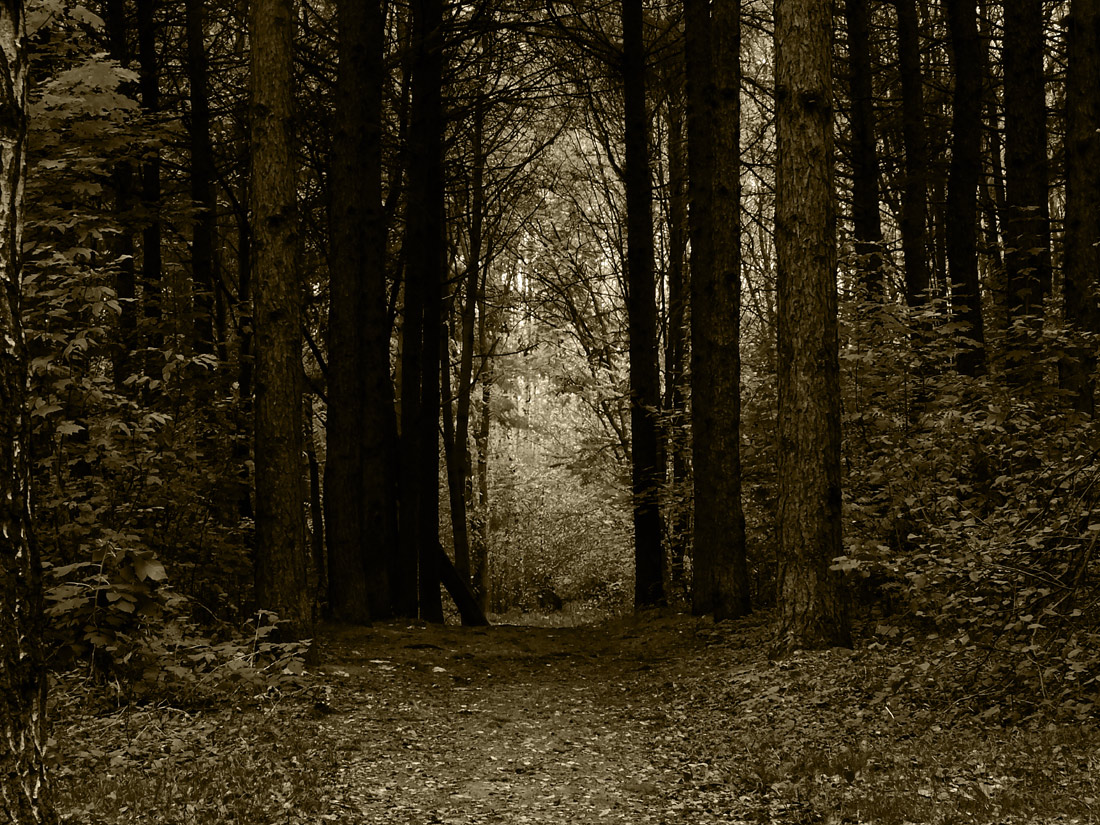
657	718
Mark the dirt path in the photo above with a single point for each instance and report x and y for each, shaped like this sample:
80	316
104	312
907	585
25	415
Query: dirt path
664	719
517	724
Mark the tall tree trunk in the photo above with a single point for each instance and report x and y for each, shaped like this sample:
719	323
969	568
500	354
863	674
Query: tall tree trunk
914	199
719	570
360	497
203	280
1082	232
645	392
281	558
151	258
24	786
1027	214
479	546
676	342
962	186
812	608
866	221
420	395
459	471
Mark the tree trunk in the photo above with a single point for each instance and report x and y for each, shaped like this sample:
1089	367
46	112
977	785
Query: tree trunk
24	787
360	498
719	569
1026	222
962	186
914	199
202	181
812	608
676	344
459	471
281	557
151	259
420	395
645	392
1082	231
866	222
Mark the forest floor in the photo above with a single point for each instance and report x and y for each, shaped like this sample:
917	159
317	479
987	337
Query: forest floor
661	718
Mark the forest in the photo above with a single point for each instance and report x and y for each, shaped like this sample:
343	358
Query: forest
549	411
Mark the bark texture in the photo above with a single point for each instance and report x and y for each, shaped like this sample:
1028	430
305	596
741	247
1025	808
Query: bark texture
24	791
812	609
281	557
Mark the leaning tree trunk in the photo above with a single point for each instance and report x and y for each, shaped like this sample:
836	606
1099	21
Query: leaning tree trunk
24	790
645	392
281	558
812	609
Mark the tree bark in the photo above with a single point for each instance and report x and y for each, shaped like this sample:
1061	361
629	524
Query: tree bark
24	786
866	222
281	557
812	607
914	199
1082	230
962	185
719	569
645	393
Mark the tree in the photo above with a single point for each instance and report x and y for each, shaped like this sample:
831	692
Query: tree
812	610
866	222
962	185
24	789
281	557
360	488
1026	223
645	392
914	197
1082	231
417	584
204	231
719	569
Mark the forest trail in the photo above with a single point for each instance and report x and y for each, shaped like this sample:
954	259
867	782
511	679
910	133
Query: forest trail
663	719
520	724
